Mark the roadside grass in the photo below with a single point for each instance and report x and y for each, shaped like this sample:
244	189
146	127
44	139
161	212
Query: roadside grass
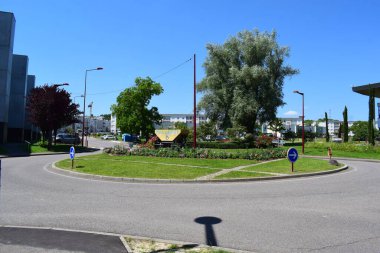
149	167
303	165
41	148
351	150
241	174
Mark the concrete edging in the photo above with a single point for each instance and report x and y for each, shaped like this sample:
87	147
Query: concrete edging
55	169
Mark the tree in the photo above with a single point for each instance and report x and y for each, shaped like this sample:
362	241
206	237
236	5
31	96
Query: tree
184	132
51	108
289	135
371	117
360	130
327	128
340	130
206	129
276	126
106	116
345	125
244	80
132	111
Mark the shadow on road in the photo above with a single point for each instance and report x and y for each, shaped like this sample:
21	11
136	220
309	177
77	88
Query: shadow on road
208	221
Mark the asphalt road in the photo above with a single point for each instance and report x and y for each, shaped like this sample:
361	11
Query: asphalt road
332	213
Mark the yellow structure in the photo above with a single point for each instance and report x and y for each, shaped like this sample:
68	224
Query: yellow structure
167	134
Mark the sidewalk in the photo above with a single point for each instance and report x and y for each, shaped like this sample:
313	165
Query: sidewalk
23	240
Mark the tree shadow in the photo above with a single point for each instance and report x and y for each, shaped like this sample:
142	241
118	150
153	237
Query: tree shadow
208	221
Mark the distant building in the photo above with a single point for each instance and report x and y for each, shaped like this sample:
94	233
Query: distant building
168	120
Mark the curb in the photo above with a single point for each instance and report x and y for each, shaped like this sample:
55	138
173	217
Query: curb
122	238
53	168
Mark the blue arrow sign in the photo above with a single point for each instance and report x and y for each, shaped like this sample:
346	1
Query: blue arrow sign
72	153
292	155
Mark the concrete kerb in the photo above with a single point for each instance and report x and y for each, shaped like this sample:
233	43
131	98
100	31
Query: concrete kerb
53	168
122	238
343	158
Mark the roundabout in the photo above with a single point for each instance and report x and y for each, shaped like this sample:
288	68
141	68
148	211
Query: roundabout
329	213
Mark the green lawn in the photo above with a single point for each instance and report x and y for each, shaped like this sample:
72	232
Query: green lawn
37	148
150	167
350	150
303	165
241	174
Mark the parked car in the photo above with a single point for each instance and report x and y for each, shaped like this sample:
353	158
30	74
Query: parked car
221	138
67	138
108	137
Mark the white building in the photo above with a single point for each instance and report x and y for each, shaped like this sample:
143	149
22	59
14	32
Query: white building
94	124
168	120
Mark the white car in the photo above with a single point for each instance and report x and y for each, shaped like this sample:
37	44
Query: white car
108	137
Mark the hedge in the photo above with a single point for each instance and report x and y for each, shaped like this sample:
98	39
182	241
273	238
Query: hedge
255	154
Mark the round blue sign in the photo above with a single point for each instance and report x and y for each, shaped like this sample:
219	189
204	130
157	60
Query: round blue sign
72	153
292	155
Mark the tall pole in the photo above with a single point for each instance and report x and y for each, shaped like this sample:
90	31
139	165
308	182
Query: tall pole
84	107
303	124
84	101
195	108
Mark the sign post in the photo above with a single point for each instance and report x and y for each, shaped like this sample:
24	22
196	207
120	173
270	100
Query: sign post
292	155
72	156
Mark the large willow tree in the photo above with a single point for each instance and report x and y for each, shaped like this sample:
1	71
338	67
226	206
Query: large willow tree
244	80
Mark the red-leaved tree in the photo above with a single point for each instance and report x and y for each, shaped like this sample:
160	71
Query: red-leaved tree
50	108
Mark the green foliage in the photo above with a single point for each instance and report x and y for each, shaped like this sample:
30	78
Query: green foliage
264	141
345	125
308	122
185	131
360	130
289	135
207	129
132	110
234	133
106	116
327	128
244	80
276	126
256	154
224	145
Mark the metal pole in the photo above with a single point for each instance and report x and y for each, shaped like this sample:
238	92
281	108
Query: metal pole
195	109
303	124
84	107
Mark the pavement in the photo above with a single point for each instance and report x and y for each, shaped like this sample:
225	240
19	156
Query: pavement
26	240
331	213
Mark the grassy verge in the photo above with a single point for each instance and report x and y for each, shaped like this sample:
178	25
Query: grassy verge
149	167
351	150
303	165
41	148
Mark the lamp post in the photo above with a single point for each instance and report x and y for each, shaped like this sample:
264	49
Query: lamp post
303	120
84	101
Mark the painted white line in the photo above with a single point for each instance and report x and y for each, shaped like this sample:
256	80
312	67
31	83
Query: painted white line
122	239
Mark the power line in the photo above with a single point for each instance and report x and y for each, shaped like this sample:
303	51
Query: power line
156	77
170	70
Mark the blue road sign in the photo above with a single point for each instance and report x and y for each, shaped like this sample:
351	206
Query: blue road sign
72	153
292	155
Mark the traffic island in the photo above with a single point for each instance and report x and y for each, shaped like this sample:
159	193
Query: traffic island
187	170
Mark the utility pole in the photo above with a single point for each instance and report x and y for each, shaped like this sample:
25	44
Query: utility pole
195	108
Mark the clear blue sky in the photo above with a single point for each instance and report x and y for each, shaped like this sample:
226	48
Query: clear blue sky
334	44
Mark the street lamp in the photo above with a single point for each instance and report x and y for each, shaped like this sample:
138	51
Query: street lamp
303	120
84	101
60	84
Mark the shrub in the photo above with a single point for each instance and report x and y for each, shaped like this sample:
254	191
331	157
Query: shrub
264	141
255	154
